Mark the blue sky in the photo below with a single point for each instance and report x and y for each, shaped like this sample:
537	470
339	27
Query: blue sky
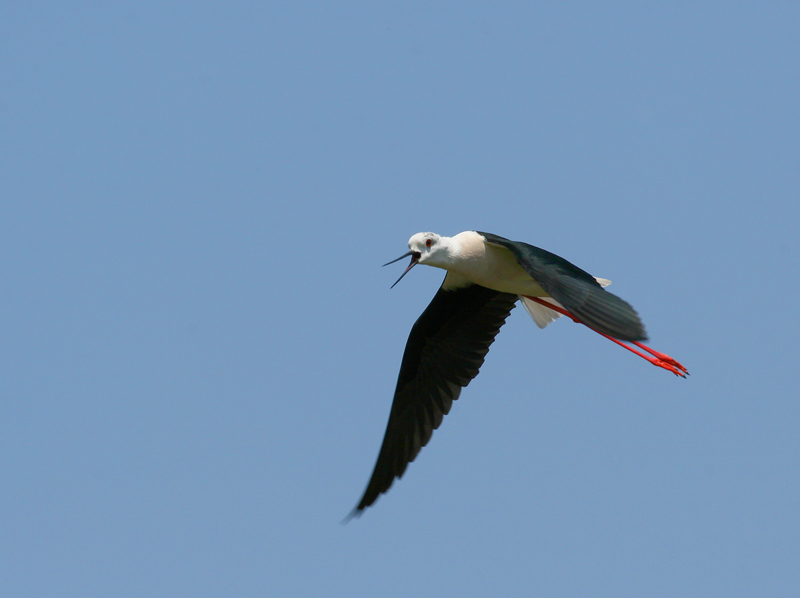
199	346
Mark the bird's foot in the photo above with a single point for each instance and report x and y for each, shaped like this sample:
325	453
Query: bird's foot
678	369
665	361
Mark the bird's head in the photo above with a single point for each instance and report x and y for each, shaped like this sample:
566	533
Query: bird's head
426	248
429	247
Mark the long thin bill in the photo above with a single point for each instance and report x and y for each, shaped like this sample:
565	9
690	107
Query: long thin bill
411	265
400	258
414	257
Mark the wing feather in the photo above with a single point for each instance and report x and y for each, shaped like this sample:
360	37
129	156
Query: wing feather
444	352
577	290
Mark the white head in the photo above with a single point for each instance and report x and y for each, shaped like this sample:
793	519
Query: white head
430	248
426	248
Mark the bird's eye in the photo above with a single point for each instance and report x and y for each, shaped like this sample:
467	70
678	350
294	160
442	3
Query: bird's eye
428	242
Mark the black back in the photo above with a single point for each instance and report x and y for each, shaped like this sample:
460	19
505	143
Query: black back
576	290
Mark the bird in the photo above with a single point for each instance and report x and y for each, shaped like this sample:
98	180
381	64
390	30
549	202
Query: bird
486	275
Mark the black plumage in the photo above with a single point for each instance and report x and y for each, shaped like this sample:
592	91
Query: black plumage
444	352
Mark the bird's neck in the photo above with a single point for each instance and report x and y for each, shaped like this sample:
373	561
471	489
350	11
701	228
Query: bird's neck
465	251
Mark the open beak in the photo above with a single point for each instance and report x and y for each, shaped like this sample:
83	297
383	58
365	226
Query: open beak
415	255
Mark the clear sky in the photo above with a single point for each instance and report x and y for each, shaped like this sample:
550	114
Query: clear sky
198	346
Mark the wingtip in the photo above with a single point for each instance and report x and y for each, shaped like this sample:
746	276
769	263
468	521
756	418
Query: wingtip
355	513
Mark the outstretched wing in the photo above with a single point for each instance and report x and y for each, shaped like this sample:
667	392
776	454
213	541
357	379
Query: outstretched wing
444	352
576	290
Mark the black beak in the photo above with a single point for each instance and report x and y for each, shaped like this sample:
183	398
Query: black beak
415	255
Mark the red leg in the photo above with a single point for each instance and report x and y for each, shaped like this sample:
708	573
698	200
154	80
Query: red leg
662	360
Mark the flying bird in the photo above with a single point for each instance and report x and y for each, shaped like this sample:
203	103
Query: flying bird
486	276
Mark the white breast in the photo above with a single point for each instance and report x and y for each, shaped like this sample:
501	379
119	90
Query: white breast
491	266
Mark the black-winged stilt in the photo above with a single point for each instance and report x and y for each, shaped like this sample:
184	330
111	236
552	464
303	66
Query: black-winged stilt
486	275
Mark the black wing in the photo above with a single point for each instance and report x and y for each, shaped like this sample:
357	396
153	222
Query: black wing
444	352
576	290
